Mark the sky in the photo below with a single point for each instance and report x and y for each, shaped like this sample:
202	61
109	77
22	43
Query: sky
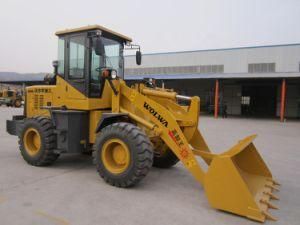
28	43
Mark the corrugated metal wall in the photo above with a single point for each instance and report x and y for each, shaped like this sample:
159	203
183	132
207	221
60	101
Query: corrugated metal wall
286	58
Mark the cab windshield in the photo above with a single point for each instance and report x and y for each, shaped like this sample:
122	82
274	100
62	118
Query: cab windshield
113	58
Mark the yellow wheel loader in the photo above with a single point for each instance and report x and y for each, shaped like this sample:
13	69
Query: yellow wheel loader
87	106
10	98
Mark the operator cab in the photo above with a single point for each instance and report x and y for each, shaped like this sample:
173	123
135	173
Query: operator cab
84	52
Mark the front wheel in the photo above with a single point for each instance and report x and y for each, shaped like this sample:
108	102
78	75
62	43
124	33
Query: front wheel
37	141
123	154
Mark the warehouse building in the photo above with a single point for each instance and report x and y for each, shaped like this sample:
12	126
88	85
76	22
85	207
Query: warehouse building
259	81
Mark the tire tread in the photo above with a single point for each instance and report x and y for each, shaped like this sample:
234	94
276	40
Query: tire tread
141	143
48	155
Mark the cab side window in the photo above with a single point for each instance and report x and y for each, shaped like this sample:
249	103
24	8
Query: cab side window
76	57
61	56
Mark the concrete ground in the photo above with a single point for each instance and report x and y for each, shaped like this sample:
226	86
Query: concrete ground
71	192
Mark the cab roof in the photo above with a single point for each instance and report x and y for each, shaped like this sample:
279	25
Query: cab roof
92	27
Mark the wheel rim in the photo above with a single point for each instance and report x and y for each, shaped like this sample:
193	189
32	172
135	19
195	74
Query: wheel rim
115	156
32	141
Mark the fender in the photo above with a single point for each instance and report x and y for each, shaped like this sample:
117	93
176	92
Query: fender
109	118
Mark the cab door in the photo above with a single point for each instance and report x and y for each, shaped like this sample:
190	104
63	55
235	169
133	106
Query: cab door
76	74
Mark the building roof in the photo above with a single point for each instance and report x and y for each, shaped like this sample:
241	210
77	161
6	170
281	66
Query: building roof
92	27
214	76
220	49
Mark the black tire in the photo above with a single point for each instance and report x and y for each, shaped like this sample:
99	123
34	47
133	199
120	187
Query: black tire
165	160
89	152
45	155
140	149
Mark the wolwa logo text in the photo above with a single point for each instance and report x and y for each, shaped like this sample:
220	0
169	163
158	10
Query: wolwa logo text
156	114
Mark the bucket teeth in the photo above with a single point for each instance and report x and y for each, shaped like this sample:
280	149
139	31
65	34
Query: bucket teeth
269	216
270	205
272	196
274	182
272	187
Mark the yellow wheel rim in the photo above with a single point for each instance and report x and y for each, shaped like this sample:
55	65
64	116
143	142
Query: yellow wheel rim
115	156
32	141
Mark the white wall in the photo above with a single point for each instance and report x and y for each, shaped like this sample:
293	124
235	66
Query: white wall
287	58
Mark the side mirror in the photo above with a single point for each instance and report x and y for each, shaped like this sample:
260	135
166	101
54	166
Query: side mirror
138	57
99	47
55	66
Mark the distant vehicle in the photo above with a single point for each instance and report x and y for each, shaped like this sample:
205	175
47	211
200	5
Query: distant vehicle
11	98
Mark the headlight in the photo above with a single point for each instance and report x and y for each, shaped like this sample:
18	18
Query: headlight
113	74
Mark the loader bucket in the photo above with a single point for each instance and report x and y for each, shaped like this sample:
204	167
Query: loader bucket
239	181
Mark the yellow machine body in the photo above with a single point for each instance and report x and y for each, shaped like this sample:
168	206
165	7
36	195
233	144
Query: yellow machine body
237	181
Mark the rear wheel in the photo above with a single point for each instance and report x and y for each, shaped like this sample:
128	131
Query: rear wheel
37	141
123	154
164	157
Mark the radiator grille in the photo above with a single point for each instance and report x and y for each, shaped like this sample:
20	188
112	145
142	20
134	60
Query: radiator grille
38	101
